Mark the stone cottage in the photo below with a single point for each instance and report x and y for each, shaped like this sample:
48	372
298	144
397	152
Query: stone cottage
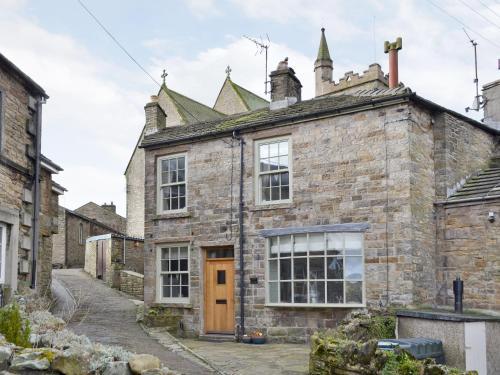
28	196
76	226
287	217
180	110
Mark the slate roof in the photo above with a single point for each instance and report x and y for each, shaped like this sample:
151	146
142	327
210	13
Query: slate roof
249	99
190	110
485	184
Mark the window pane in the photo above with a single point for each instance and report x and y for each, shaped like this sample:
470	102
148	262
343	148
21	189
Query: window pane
185	279
174	204
166	292
300	244
181	162
275	194
173	165
164	171
183	252
182	190
174	253
335	292
176	291
264	151
353	241
182	202
181	176
285	269
334	243
265	181
317	292
165	279
335	268
284	178
266	194
183	265
286	292
273	245
174	265
164	253
283	162
273	149
173	176
273	292
283	148
353	292
285	193
264	165
164	265
353	268
273	164
300	268
316	243
285	246
317	268
300	292
174	191
275	180
273	270
176	279
184	291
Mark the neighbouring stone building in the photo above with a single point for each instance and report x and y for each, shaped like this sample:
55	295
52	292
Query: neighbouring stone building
76	226
180	110
349	199
28	196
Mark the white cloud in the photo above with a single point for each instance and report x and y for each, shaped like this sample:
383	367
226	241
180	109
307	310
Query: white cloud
203	8
91	120
7	5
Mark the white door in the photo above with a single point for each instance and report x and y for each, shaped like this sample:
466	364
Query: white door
475	347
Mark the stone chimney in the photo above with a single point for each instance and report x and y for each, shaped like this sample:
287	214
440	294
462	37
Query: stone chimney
156	119
285	86
110	207
323	66
491	95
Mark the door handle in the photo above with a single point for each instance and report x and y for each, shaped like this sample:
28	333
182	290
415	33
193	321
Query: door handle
221	301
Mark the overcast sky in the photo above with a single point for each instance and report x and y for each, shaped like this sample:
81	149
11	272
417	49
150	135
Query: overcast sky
95	112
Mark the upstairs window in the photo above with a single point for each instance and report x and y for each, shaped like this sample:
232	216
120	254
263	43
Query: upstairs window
319	269
273	166
172	183
3	251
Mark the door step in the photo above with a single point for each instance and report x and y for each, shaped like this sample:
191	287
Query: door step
217	337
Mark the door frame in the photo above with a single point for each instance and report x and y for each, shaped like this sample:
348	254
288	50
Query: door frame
205	261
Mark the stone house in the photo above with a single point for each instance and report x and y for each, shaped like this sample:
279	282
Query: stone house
76	226
285	218
28	196
180	110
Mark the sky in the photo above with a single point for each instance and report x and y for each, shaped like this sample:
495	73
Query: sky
95	112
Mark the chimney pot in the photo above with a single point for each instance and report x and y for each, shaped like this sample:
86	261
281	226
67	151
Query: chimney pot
392	49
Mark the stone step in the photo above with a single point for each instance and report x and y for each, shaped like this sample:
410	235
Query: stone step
217	337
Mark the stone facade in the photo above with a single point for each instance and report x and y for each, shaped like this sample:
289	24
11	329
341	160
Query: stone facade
132	283
20	106
59	240
105	214
228	101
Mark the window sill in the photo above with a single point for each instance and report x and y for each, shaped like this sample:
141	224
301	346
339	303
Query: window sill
173	215
316	305
179	305
271	206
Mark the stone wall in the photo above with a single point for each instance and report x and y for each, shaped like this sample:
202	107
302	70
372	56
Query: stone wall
134	253
135	194
104	216
59	240
132	283
228	101
469	248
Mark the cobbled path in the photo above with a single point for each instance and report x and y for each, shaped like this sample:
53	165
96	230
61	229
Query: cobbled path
106	316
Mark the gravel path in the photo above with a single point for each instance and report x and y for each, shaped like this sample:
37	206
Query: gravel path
106	316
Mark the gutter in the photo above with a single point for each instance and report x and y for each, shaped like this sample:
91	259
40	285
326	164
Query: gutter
36	192
467	200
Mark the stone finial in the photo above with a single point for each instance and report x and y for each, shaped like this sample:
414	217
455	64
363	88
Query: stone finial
283	64
228	72
164	75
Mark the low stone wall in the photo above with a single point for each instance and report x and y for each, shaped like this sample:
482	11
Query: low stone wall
132	283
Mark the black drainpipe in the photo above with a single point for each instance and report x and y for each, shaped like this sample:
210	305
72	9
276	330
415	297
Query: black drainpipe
36	192
241	241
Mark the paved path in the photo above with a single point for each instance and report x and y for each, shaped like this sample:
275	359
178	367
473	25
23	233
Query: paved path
106	316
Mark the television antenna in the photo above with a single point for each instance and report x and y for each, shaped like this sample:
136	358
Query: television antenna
262	46
478	102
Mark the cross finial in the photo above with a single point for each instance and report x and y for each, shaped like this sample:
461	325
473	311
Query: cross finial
164	75
228	71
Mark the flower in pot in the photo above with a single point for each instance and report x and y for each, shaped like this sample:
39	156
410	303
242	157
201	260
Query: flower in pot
258	337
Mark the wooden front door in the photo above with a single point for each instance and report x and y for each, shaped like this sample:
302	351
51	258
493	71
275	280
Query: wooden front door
219	293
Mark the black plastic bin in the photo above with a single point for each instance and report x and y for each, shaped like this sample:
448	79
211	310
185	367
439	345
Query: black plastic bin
420	348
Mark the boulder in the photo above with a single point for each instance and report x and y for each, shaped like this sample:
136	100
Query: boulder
72	362
141	362
116	368
5	355
32	359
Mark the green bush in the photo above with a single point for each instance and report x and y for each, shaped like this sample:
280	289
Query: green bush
401	363
12	325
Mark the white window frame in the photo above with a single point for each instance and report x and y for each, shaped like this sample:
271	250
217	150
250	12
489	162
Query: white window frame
159	273
307	280
159	185
258	173
3	251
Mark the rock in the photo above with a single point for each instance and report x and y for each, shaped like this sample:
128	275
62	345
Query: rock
32	359
116	368
141	362
5	355
158	371
71	362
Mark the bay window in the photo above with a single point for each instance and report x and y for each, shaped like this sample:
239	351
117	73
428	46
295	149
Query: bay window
315	269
